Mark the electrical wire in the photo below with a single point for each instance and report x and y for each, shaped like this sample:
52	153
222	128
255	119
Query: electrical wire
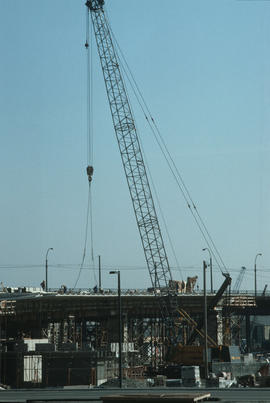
161	211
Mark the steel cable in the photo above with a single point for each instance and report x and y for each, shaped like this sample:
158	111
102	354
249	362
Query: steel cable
172	166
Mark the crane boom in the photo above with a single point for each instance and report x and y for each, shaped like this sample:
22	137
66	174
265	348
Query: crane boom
239	280
130	150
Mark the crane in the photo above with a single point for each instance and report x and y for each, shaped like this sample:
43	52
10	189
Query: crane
236	321
239	280
135	170
132	158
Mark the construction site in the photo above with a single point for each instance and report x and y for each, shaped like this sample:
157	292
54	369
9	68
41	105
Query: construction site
57	338
137	338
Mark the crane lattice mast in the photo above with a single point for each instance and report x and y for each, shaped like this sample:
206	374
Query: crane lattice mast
130	150
239	280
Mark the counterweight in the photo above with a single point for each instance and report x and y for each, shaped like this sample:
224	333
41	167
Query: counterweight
130	150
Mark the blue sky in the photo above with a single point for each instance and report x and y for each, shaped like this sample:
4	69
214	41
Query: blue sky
204	69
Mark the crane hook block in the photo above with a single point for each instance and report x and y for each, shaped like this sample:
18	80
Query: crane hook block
90	171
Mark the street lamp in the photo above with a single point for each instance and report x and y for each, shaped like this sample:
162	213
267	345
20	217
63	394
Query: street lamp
120	326
255	273
46	270
205	321
211	269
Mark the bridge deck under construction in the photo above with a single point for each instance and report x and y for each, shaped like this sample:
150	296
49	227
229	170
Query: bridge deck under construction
95	306
88	323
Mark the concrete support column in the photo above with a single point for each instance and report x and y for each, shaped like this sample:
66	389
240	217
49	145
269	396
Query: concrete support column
125	340
219	328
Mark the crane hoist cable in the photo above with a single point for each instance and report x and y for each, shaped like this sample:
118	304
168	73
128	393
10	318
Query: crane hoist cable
178	266
172	166
85	237
183	189
89	135
89	90
90	128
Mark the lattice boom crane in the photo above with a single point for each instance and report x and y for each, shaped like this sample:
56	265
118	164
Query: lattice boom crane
130	150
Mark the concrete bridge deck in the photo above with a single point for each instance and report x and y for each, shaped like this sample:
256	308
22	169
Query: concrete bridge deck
138	305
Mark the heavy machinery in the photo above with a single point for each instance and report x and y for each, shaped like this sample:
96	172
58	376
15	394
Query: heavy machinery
212	304
136	175
235	321
239	280
133	162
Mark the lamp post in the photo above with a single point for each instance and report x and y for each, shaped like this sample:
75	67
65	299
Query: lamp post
46	270
99	273
120	326
211	268
255	273
205	321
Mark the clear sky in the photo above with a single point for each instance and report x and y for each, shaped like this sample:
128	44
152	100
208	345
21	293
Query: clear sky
204	69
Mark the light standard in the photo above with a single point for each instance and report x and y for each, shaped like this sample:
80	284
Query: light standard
120	326
205	321
255	273
211	269
99	273
46	270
